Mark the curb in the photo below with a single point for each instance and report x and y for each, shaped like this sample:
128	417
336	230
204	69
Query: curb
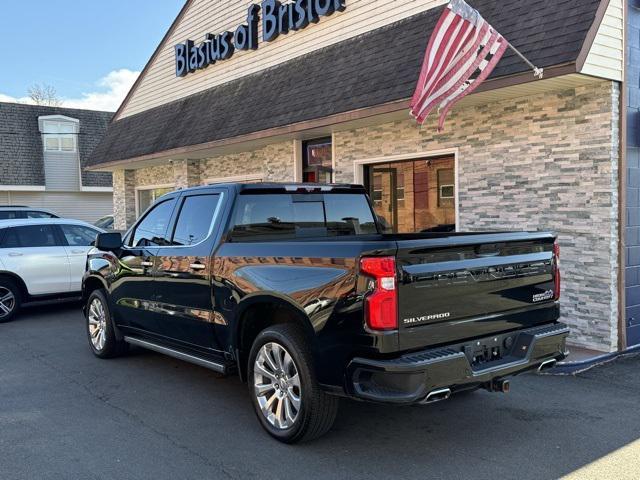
573	368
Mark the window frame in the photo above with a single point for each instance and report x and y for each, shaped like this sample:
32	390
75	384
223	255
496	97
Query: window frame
447	197
317	170
361	168
178	210
49	124
129	236
155	199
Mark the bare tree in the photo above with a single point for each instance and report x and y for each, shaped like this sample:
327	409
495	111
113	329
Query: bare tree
44	95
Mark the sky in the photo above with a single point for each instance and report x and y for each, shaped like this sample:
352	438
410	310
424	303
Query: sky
90	51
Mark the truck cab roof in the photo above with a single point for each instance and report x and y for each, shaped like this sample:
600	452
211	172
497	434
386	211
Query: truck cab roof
283	187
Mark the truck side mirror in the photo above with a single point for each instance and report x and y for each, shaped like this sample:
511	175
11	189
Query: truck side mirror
109	242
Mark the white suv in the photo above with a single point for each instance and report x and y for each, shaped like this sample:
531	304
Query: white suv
41	259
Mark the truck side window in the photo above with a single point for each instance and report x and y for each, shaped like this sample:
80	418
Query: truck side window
152	230
195	220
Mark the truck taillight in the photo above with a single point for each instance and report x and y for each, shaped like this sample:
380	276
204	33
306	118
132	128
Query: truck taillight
556	271
381	304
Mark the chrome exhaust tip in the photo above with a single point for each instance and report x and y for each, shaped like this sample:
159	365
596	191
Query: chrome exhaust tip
437	395
547	364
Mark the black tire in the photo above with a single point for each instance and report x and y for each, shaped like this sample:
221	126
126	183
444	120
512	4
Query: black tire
8	287
318	410
110	347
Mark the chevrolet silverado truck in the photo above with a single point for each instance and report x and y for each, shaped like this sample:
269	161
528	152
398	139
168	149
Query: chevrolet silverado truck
297	289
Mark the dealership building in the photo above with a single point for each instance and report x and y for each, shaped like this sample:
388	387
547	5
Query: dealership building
319	91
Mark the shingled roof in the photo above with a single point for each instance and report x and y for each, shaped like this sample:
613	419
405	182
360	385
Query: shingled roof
21	151
371	69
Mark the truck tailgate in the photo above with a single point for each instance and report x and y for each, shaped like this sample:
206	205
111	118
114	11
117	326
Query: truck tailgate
466	286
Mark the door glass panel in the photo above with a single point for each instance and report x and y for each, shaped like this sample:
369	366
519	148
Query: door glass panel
151	231
79	236
383	178
317	161
414	196
195	220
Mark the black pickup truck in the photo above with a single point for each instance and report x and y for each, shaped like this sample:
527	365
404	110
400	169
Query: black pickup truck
296	289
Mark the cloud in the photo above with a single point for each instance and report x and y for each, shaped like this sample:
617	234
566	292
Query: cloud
7	98
109	94
114	86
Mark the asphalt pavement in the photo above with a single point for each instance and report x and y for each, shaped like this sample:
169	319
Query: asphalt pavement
65	414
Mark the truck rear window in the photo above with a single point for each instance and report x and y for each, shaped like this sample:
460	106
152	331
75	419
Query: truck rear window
288	216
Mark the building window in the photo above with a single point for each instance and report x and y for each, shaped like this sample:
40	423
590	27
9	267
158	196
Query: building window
147	196
446	187
447	192
414	195
59	136
317	161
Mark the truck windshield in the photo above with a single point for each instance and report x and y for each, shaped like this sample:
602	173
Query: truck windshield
282	216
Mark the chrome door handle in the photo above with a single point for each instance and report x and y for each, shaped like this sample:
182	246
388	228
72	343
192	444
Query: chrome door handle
77	251
197	266
146	264
15	254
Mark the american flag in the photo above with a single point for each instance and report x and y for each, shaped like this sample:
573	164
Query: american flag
462	52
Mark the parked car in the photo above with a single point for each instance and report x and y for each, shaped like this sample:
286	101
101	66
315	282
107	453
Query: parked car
294	288
105	223
41	260
9	212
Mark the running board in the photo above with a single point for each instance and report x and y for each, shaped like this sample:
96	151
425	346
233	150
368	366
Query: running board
216	367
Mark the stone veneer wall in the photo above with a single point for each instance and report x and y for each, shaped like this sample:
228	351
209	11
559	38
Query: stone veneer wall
275	162
549	161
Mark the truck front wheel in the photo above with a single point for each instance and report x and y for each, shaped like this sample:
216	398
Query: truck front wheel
100	328
286	396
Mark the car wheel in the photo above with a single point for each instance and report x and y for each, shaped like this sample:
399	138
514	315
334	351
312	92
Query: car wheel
100	330
286	396
10	300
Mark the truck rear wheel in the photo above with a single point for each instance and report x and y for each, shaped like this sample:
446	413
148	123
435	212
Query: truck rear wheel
287	399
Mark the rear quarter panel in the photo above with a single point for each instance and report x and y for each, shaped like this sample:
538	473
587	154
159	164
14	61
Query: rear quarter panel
317	279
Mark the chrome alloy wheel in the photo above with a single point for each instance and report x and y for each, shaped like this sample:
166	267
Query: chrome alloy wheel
276	384
97	324
7	302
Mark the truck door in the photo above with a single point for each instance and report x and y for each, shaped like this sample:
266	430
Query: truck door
133	290
184	292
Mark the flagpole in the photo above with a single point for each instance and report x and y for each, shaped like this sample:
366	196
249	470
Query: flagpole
469	13
537	72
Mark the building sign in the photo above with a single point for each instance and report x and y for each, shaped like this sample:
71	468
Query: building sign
277	18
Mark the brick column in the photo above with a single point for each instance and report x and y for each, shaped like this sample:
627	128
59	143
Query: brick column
124	199
186	173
